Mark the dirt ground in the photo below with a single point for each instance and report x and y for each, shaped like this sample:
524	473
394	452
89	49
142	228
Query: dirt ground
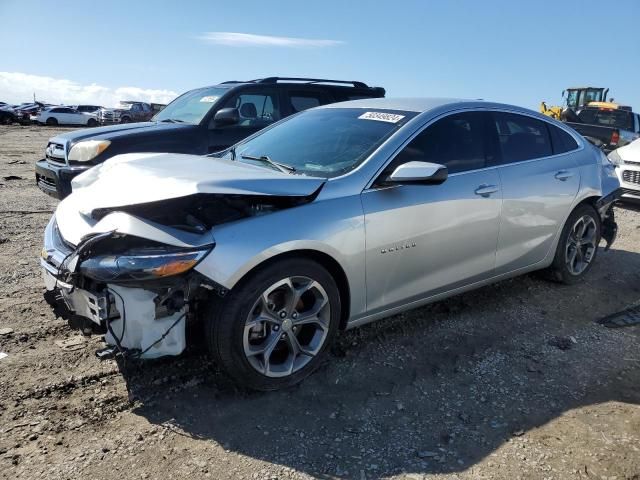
515	380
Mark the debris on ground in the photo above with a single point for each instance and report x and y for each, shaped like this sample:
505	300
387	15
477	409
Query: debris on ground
563	343
626	318
72	344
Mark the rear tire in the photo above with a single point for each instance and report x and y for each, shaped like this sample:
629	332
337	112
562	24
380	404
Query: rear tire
274	328
51	121
577	247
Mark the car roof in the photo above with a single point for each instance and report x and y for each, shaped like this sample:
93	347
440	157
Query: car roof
426	104
413	104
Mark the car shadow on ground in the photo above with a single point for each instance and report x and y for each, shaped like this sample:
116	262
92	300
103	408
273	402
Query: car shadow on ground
431	391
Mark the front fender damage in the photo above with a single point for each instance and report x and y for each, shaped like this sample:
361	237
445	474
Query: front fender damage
148	317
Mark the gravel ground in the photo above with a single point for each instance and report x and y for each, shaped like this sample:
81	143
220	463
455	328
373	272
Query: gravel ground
515	380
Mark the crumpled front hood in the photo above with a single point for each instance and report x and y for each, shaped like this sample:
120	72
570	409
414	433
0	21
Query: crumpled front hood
143	178
136	178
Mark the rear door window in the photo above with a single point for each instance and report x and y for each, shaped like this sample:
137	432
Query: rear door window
561	141
456	141
256	109
521	137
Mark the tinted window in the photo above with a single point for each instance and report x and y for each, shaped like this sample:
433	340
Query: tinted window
607	118
456	141
561	141
56	110
521	137
256	109
304	100
325	142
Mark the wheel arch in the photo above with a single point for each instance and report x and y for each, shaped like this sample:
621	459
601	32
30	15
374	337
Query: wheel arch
325	260
590	199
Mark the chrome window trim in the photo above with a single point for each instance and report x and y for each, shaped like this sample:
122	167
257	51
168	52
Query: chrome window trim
431	121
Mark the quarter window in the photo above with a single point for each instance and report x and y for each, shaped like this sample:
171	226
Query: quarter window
562	142
456	141
304	100
521	137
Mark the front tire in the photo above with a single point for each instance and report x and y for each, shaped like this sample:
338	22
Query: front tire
125	120
51	121
92	123
578	246
273	330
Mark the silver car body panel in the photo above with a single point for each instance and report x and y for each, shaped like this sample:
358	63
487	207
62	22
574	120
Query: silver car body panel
399	247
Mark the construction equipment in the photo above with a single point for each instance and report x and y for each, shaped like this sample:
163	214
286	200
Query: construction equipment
576	98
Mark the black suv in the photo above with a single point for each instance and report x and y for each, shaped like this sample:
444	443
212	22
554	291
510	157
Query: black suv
201	121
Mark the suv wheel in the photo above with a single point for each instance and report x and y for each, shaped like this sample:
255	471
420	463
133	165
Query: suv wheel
273	330
125	120
92	122
578	245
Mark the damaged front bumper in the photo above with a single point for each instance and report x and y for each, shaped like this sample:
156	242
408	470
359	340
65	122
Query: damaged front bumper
142	303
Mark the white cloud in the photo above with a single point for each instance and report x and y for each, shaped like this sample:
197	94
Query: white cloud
16	87
234	39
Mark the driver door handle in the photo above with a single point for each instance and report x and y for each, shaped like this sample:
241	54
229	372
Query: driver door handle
563	175
486	190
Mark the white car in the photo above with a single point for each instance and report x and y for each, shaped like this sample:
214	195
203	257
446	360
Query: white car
627	161
66	116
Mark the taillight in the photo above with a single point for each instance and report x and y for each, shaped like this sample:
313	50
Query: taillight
615	138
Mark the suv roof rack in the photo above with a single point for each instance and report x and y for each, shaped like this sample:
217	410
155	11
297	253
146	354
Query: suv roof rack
311	80
302	80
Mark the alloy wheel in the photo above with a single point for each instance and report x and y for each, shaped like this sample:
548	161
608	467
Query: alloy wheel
581	245
287	326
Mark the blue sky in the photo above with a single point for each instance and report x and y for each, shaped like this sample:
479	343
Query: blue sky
505	50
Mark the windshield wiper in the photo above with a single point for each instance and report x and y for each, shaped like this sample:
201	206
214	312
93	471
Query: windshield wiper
172	120
283	167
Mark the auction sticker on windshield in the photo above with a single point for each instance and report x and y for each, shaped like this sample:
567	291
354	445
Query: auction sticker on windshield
209	99
382	117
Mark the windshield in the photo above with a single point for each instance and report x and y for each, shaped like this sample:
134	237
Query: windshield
607	118
190	107
324	143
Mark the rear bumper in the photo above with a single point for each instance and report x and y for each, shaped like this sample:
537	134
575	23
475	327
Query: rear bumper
56	180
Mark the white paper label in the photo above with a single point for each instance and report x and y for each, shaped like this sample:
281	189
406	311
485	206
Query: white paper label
209	99
382	117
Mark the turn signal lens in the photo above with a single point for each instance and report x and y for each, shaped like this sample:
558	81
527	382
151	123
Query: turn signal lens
173	268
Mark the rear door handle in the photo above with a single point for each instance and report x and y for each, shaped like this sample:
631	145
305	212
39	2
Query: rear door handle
486	190
563	175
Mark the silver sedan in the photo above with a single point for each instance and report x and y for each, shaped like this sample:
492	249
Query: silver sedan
327	220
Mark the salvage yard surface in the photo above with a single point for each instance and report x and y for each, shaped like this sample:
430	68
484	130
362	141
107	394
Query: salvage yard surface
515	380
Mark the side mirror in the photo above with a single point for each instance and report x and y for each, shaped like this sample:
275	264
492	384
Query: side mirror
226	116
419	172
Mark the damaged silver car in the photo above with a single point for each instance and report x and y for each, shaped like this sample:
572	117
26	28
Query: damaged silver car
326	220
